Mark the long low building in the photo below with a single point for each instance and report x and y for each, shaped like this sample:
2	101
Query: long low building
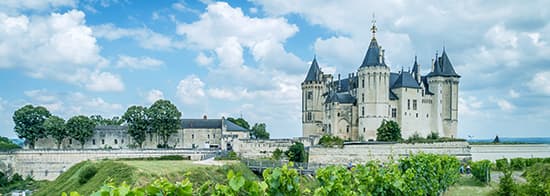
194	133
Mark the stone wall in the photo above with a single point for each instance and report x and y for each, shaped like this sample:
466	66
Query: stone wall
48	164
361	153
494	152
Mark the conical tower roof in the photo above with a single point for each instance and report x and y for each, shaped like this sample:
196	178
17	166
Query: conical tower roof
314	73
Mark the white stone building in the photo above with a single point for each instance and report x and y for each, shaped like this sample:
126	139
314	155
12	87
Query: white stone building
194	133
354	107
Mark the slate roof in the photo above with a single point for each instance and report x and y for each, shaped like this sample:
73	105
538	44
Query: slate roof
415	66
234	127
426	85
343	97
393	96
372	57
314	72
406	80
201	123
346	84
443	67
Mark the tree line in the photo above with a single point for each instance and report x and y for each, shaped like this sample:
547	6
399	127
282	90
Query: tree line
162	119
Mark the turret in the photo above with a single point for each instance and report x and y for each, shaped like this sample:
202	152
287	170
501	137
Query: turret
443	82
372	92
312	101
416	71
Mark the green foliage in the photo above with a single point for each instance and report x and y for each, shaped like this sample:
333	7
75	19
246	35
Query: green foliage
538	180
507	186
481	170
388	131
230	156
259	131
69	180
277	154
86	173
282	181
56	128
239	185
99	120
7	144
165	119
296	152
429	174
240	121
434	135
331	141
16	182
502	164
81	128
29	121
138	124
161	158
518	163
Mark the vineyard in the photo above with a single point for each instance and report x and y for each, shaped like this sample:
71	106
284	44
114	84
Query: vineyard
421	174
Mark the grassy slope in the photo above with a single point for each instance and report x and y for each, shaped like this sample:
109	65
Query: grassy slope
468	185
140	173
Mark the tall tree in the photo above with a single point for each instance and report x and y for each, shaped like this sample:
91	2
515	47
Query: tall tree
81	128
29	121
296	152
165	119
388	131
56	128
239	121
138	124
259	131
99	120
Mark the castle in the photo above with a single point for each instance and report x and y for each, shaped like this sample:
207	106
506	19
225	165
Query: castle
354	107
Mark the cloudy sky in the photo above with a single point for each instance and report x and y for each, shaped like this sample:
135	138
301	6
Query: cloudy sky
248	58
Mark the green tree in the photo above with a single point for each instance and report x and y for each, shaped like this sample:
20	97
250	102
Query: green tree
239	121
29	121
165	119
81	128
7	144
296	152
388	131
56	128
259	131
138	124
277	153
99	120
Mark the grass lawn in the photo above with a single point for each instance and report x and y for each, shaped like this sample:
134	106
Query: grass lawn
162	167
468	185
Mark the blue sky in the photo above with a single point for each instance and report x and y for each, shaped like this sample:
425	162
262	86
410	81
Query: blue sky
249	57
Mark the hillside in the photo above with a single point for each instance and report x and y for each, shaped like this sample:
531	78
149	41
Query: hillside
139	172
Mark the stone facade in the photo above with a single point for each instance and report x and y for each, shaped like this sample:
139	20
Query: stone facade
194	133
354	107
361	153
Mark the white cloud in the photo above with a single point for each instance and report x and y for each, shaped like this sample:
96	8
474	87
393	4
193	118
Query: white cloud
58	46
190	90
2	103
143	62
502	37
105	81
230	94
206	33
202	59
19	5
541	83
505	105
145	37
154	95
513	94
469	106
68	104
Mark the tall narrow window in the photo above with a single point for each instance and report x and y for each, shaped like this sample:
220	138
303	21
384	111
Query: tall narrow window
394	112
309	95
102	141
93	142
363	83
309	116
363	97
116	141
408	104
414	104
347	129
362	111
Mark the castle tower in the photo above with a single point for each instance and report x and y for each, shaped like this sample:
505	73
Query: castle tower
373	89
312	101
443	82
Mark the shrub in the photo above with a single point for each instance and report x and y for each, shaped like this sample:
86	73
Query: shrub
507	186
331	141
86	174
433	136
296	152
481	170
171	157
502	164
277	154
518	163
388	131
538	180
532	161
230	156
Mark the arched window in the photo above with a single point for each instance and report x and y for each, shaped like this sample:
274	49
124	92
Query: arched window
116	141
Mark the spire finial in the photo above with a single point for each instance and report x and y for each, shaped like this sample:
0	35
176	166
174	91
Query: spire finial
373	28
414	58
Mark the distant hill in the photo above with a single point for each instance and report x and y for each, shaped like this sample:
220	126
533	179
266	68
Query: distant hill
525	140
19	142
